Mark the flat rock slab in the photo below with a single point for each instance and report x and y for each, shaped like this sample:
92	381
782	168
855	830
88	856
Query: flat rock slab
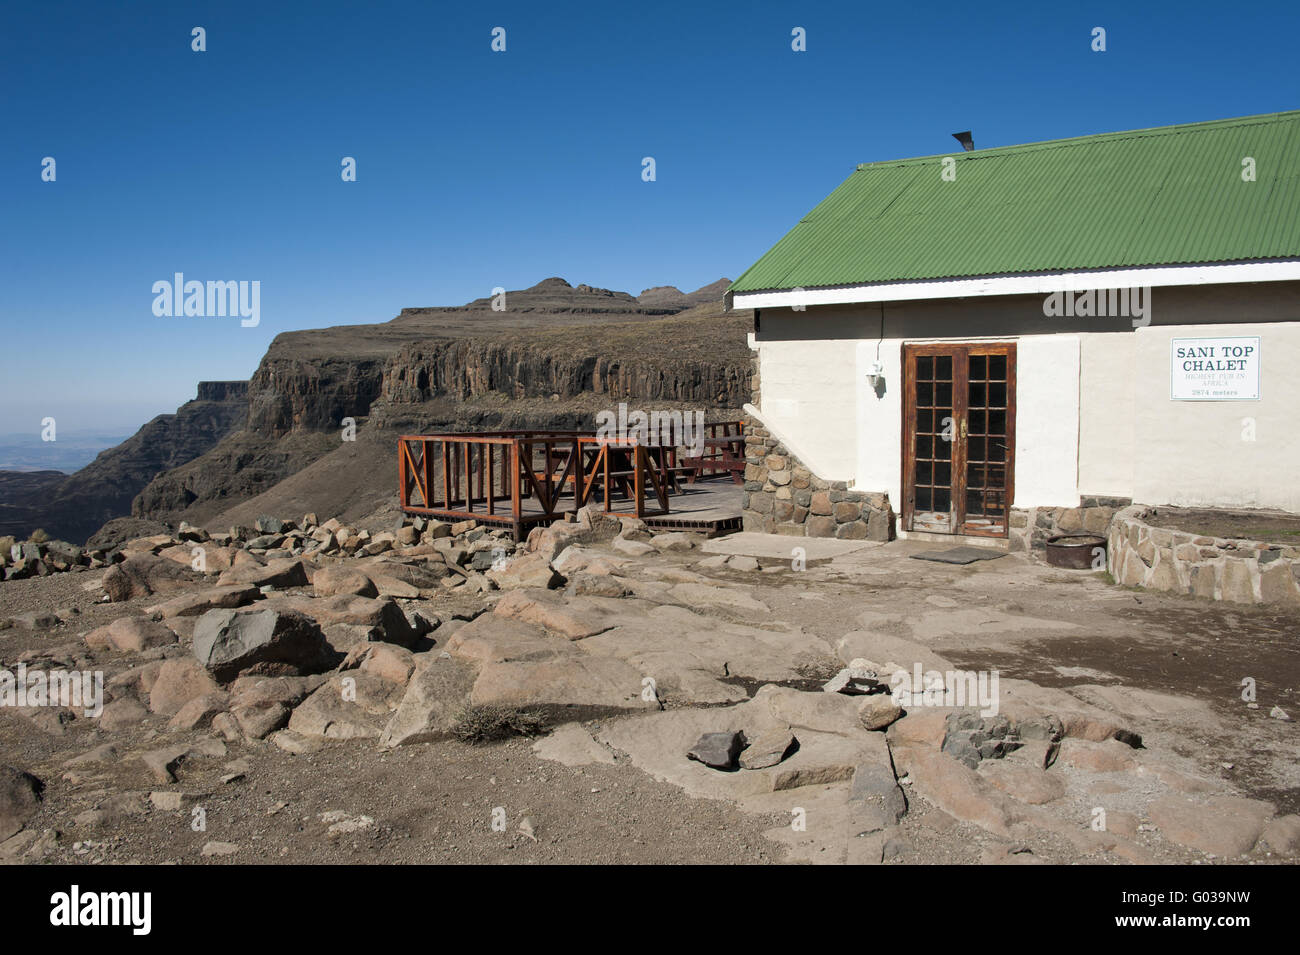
779	546
960	555
572	745
1225	826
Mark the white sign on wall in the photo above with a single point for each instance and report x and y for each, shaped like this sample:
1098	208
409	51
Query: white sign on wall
1214	369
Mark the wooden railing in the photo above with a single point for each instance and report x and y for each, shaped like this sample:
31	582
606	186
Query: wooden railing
723	453
521	478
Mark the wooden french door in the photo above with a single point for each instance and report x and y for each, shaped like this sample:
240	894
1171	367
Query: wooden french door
959	437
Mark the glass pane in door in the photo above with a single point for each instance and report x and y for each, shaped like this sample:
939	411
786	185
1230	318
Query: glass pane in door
986	445
933	444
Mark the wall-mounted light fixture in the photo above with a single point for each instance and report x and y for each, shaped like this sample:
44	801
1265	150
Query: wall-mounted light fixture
875	373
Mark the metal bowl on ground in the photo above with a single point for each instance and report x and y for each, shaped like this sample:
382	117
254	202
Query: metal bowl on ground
1077	551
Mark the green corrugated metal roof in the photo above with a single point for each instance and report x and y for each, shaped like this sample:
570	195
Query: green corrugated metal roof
1172	195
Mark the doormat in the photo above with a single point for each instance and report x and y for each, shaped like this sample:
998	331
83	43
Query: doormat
961	555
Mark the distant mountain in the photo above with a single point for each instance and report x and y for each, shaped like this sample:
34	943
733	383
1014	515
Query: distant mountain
552	358
670	296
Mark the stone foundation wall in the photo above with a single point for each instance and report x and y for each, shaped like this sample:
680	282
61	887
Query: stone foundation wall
1240	571
782	496
1032	526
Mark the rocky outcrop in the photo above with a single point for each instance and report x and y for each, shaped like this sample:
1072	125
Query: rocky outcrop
466	369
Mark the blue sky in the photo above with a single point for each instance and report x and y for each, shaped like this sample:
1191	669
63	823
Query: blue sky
477	169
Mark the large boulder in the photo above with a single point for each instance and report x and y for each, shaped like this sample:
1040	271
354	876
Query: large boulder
435	696
144	574
229	642
351	705
20	797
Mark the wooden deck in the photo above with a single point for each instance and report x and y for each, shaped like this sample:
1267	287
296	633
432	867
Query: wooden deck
710	506
522	479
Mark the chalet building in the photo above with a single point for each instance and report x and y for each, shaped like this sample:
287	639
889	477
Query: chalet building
1008	343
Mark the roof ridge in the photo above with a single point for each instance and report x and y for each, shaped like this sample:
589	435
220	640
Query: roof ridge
1258	119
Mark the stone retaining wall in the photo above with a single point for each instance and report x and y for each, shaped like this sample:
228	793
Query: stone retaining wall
1032	526
782	496
1240	571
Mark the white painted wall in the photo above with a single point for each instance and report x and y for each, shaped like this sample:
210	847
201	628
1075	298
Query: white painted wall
1192	453
1107	425
809	392
1047	421
1094	415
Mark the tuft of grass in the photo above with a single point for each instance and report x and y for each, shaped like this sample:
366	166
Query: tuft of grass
491	722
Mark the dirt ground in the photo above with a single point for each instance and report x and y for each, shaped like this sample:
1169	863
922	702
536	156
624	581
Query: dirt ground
435	802
1274	527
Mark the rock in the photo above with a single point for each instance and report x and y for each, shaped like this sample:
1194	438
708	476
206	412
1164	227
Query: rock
388	662
1279	714
574	619
179	681
718	750
121	714
596	585
1108	757
1225	826
379	612
876	802
287	572
212	598
631	548
20	797
878	711
343	579
145	574
958	790
218	849
131	635
527	570
199	712
229	642
164	762
434	697
572	745
1026	783
1283	834
767	749
565	686
296	743
354	705
673	542
853	681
